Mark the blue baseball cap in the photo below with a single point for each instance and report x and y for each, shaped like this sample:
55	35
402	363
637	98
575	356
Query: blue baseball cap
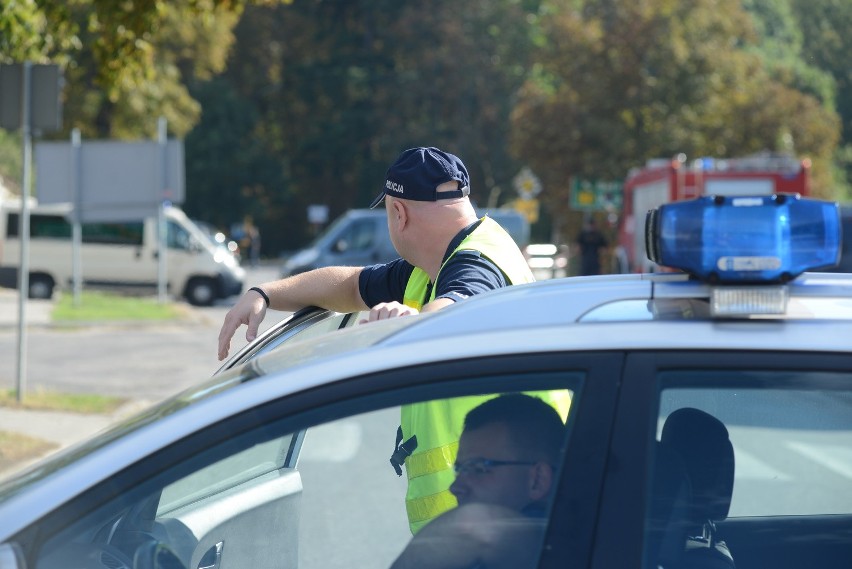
418	172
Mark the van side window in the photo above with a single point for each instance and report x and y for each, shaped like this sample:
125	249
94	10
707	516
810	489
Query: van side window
41	225
44	226
113	233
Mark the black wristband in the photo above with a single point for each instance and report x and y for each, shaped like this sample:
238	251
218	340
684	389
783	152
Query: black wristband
259	291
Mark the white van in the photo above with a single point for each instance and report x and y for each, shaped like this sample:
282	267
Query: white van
360	237
116	254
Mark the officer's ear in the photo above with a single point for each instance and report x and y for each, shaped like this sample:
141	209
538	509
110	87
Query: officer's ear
540	480
398	213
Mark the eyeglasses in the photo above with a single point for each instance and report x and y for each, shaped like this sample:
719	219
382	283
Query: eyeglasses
479	466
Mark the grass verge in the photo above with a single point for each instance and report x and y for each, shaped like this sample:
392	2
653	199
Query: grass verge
101	306
44	400
16	448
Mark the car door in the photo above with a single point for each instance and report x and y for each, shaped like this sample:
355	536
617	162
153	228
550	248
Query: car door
224	497
759	479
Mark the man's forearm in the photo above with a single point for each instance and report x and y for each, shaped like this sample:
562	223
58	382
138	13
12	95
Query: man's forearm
332	288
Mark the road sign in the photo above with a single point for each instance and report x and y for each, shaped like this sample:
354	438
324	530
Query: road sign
527	184
596	195
529	208
318	214
45	106
119	181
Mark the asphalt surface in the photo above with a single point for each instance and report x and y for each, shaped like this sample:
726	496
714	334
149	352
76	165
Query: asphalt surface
143	362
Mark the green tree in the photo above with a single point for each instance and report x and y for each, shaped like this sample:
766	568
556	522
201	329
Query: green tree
780	45
341	88
135	60
125	63
617	83
826	42
230	171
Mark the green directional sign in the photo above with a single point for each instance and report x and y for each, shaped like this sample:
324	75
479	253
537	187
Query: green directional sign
595	195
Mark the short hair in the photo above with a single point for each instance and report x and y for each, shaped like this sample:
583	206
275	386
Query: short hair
534	424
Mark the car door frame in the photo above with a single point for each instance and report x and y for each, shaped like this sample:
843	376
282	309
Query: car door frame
283	331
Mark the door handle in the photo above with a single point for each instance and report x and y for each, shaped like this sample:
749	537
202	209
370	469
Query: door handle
212	558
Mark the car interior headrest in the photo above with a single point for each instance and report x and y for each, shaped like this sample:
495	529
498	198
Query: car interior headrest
703	443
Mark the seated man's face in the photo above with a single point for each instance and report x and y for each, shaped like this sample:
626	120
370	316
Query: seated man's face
514	486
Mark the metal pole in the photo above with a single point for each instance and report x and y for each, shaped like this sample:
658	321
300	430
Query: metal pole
76	225
161	214
24	233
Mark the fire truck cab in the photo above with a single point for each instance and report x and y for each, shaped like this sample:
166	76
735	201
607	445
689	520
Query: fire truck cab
664	180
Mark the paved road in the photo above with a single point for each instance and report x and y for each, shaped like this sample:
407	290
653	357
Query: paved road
142	361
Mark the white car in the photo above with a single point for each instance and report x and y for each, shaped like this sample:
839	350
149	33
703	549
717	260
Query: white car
710	423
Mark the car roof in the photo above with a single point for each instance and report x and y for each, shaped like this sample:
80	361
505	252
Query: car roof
598	313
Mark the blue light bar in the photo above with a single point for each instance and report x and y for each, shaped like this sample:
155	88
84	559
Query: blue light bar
736	239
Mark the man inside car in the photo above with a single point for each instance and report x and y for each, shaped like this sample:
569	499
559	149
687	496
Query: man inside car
505	467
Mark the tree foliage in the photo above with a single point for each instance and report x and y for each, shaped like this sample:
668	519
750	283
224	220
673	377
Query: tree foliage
827	44
340	88
617	83
125	62
285	104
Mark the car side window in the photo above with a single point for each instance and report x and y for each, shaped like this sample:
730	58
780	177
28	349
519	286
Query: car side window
359	236
229	472
745	454
316	489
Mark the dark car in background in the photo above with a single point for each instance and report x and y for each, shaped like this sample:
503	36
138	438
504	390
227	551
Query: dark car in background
360	237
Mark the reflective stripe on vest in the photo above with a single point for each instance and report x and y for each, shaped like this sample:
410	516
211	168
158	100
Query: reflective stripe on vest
433	460
421	510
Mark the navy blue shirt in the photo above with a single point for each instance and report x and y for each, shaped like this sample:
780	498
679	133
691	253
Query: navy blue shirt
466	274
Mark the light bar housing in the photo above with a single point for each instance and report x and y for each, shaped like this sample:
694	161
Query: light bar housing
745	239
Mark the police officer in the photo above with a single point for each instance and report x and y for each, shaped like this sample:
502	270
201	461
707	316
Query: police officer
447	254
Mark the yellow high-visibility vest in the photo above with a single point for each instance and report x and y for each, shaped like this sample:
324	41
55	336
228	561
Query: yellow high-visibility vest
438	424
489	239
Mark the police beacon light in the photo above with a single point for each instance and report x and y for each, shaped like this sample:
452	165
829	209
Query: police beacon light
746	240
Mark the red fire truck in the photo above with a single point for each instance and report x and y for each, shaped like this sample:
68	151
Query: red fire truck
666	180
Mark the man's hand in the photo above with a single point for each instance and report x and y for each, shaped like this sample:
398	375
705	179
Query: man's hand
249	310
386	310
